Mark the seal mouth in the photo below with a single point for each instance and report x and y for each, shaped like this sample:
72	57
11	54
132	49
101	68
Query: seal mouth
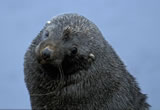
54	63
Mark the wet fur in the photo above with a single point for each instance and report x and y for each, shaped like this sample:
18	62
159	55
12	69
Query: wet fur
78	83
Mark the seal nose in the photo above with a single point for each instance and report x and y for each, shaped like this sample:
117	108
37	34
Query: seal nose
46	53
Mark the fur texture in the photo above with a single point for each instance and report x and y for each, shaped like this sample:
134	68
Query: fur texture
93	79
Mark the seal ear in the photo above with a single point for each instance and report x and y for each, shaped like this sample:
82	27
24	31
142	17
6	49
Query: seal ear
66	33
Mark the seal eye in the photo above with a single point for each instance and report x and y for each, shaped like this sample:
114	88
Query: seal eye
46	34
74	50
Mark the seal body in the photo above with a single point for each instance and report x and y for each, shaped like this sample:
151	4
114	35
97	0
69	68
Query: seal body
70	66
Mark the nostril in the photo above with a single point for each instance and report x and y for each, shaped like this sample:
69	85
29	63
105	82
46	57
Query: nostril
46	53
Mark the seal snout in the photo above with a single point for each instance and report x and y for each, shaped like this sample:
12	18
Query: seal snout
49	54
46	53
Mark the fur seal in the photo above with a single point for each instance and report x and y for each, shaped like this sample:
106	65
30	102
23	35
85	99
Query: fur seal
70	66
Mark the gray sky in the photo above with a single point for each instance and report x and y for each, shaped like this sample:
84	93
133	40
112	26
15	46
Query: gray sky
132	27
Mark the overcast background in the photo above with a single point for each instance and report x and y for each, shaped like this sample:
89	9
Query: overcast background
132	27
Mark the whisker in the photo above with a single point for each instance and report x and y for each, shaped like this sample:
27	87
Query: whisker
60	84
61	76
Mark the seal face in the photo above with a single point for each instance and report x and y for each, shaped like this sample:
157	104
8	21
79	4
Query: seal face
60	45
70	66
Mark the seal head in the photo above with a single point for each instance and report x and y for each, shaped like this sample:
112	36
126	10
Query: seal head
66	43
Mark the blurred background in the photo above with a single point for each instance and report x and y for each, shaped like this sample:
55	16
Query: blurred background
132	27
